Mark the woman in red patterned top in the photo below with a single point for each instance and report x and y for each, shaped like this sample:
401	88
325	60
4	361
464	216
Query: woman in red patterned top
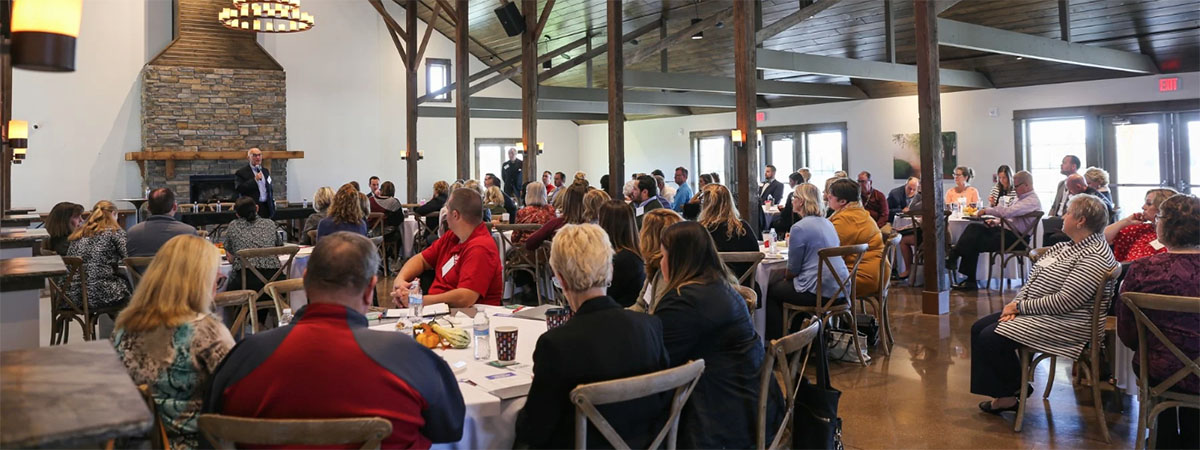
1134	237
535	211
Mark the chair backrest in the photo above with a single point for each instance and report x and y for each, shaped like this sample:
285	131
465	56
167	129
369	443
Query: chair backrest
750	296
754	258
234	298
586	397
187	207
846	286
136	266
280	292
1025	238
516	227
75	274
245	255
312	236
375	221
158	432
885	266
1139	303
1104	291
786	362
224	431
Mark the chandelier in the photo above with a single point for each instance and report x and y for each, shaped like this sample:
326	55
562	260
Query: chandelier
266	16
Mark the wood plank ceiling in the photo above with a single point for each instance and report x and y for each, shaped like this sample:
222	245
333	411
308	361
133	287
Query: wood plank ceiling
1166	30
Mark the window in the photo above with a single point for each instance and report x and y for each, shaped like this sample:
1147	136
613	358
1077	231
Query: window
819	147
490	155
781	149
711	155
1048	141
824	155
437	76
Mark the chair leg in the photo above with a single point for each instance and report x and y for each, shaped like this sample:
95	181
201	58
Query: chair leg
857	349
1139	442
1097	402
887	327
1025	355
1050	377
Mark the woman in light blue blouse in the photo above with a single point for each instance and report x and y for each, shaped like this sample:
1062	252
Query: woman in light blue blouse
810	234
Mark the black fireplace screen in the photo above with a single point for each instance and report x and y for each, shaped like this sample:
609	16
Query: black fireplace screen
212	188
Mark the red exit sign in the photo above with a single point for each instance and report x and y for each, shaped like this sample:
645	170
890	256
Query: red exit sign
760	116
1168	84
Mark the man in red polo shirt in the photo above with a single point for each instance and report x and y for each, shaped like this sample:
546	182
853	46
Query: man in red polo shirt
465	261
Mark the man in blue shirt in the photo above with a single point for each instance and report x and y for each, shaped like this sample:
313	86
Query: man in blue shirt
684	193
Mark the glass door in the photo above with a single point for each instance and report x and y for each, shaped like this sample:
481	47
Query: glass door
1188	164
1135	147
781	152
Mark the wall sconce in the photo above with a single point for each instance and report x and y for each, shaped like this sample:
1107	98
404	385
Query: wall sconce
420	155
44	34
18	139
737	136
758	131
521	147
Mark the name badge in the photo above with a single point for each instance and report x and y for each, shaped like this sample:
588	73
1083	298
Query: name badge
449	265
1156	245
640	210
1047	261
268	180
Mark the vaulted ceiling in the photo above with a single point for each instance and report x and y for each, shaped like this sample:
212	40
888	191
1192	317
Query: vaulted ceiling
1166	30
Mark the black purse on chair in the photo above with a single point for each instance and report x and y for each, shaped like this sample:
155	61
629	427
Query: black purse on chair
815	423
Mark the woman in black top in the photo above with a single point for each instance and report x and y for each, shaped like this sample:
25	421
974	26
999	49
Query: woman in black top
63	220
703	317
783	224
728	232
629	272
440	192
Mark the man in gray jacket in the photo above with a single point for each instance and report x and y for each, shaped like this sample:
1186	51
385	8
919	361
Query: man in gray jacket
145	238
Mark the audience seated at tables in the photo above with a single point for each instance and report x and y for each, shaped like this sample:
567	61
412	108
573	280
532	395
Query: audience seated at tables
1135	236
548	181
910	238
799	284
474	186
985	237
629	271
494	202
327	364
1075	186
536	211
961	190
691	209
63	220
441	191
899	198
1097	179
385	202
1003	186
787	217
704	317
663	197
650	248
873	200
321	201
363	201
628	188
344	214
645	197
683	194
601	342
729	233
168	338
251	231
572	213
592	201
1172	273
855	226
145	238
465	261
1051	313
100	242
510	205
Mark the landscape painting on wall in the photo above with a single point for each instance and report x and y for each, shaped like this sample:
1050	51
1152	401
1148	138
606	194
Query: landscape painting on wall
906	156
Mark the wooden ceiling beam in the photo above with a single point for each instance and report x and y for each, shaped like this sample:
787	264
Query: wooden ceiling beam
994	40
857	68
505	71
940	6
545	17
394	30
690	99
596	51
682	35
793	19
437	9
705	83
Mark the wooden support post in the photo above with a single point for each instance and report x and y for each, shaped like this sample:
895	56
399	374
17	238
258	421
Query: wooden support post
745	76
462	103
1064	20
410	100
5	109
662	36
889	26
588	68
935	297
529	87
616	101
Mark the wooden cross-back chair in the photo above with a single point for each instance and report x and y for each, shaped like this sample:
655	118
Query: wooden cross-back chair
238	299
64	310
136	266
828	308
522	260
919	250
1154	399
158	432
878	300
245	256
1088	362
785	361
227	431
753	258
281	293
682	380
1017	251
425	234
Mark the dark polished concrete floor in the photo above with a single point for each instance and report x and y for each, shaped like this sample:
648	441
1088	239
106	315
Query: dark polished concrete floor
919	397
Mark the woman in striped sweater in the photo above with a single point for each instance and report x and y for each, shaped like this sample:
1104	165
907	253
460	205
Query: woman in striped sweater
1052	312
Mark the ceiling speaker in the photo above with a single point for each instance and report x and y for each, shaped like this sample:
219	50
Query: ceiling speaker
511	19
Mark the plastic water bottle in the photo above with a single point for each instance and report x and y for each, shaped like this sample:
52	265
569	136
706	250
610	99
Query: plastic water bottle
416	300
304	203
774	239
286	317
482	332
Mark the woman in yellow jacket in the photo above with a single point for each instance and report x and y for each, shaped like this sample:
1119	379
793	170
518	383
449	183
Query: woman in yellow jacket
854	226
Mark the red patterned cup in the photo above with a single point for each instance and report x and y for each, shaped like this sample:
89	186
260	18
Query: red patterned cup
506	343
555	317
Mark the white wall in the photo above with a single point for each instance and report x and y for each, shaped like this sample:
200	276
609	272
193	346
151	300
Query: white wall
984	142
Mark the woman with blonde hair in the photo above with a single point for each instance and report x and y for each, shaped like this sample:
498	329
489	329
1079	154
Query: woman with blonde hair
729	232
321	201
650	247
806	237
1097	179
100	242
592	202
493	201
536	211
344	214
1134	236
167	338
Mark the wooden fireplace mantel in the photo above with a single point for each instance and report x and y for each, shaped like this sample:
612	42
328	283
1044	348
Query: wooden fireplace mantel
171	156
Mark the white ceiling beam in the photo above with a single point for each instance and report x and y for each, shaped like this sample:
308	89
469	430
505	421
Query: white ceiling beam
994	40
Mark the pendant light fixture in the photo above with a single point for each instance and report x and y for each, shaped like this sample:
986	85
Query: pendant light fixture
266	16
695	20
44	34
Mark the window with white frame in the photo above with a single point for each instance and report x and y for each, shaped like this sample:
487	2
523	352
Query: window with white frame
437	76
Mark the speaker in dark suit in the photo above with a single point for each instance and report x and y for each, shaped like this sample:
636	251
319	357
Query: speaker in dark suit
254	181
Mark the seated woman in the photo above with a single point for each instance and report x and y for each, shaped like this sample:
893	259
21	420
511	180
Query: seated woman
854	226
628	272
729	233
536	211
1171	273
1003	186
1097	179
344	214
167	337
809	235
100	242
1051	314
1134	236
691	209
321	201
251	231
583	350
911	238
592	201
441	190
393	212
704	317
64	219
961	190
493	201
650	247
572	213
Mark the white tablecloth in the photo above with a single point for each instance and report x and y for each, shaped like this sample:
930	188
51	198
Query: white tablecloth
956	226
297	299
490	422
410	232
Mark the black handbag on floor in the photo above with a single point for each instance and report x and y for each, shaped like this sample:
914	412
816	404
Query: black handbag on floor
815	423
